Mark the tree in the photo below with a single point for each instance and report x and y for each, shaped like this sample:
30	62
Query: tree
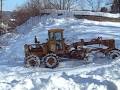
98	5
61	4
116	6
95	5
91	4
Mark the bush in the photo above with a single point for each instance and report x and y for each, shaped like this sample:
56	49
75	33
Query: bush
21	16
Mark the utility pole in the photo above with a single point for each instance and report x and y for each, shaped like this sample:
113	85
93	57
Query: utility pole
1	7
1	10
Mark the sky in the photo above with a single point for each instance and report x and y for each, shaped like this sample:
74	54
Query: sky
10	5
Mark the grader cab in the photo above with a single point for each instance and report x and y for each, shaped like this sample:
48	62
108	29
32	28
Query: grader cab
48	54
56	41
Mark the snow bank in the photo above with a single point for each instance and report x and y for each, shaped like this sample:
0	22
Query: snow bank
103	14
114	24
79	12
101	74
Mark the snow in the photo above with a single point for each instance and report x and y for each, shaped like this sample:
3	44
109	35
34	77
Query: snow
101	74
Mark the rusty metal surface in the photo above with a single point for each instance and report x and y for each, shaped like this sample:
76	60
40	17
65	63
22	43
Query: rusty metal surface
79	52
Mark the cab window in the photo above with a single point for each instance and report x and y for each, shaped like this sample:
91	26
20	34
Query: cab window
55	36
51	35
58	36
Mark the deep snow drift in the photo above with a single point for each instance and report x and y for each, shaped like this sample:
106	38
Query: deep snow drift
101	74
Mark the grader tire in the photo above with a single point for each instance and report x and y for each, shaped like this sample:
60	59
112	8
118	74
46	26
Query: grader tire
74	54
33	61
51	61
114	54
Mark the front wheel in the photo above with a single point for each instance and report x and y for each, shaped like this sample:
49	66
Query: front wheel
51	61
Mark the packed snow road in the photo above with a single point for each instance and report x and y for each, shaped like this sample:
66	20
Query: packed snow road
101	74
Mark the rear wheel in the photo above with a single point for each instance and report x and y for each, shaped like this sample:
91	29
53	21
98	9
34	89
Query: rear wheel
74	54
33	61
51	61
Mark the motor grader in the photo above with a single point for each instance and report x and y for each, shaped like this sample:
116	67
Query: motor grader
49	54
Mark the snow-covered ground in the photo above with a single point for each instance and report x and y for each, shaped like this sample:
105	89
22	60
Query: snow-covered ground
101	74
